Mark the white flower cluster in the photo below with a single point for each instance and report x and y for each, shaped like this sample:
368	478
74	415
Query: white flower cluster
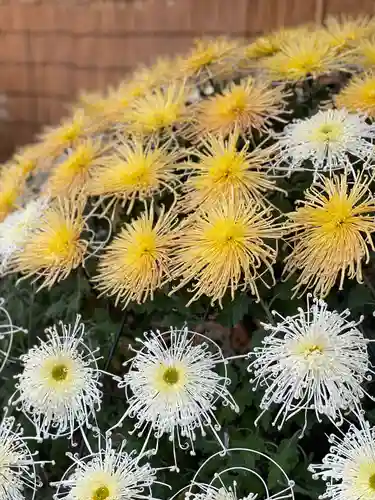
316	360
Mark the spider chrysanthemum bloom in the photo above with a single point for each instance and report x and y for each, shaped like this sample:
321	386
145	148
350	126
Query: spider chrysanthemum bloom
17	228
209	58
56	247
28	158
315	360
223	249
364	53
58	388
331	233
248	106
349	468
270	44
72	173
56	139
136	263
224	170
17	463
137	169
109	474
325	142
159	111
298	58
358	95
7	330
12	187
346	31
210	492
172	386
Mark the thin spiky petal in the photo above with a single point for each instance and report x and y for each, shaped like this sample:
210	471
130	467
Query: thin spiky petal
247	106
222	249
332	234
56	246
137	262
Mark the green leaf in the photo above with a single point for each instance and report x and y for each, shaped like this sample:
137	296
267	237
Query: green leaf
286	457
234	311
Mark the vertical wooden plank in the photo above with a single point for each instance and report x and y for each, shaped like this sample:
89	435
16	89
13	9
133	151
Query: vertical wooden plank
350	7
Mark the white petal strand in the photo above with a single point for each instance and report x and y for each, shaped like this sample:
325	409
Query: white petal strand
329	140
172	387
59	388
314	360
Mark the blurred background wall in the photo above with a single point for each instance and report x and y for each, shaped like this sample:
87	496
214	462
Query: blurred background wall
52	49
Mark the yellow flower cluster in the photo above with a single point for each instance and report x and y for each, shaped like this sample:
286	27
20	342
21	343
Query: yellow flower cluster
181	158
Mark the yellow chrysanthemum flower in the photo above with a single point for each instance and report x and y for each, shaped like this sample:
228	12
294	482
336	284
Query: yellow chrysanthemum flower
56	139
146	78
332	234
137	169
344	31
159	111
301	57
364	54
12	186
358	95
209	58
223	249
72	173
270	44
92	104
223	170
56	247
28	158
247	106
136	263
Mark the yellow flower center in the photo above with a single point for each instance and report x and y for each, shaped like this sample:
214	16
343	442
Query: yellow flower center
139	171
7	201
226	167
171	375
62	244
305	62
313	349
371	482
71	132
158	119
169	379
101	493
201	59
225	234
59	372
234	103
328	132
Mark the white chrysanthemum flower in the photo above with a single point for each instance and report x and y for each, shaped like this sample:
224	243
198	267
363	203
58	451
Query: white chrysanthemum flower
109	474
174	387
316	360
7	329
330	139
17	463
59	388
349	467
217	488
210	492
16	229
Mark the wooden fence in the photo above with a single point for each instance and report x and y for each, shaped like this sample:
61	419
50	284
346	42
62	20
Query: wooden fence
52	49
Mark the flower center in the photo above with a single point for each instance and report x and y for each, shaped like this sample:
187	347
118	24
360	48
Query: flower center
101	493
313	349
171	375
371	482
59	373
